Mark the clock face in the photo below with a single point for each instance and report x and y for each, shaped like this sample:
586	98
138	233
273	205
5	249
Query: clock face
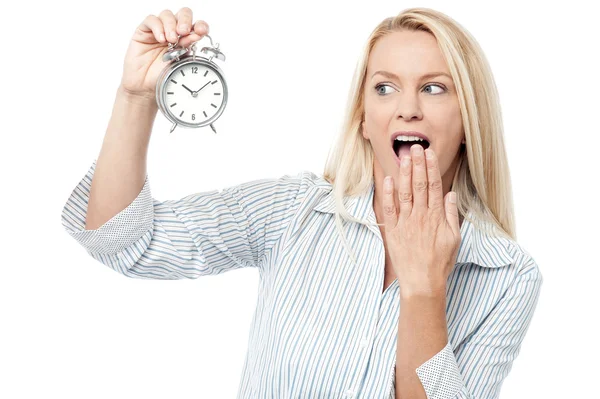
194	93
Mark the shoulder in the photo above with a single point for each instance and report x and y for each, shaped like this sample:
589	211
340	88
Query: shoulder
296	184
523	263
523	272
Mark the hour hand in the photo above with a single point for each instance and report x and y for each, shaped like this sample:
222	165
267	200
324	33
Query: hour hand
191	91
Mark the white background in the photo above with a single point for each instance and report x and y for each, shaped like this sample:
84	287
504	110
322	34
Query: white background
73	328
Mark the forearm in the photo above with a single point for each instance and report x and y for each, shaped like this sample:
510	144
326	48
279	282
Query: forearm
422	333
121	165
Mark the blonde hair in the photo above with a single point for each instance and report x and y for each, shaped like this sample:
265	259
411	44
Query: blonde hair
482	178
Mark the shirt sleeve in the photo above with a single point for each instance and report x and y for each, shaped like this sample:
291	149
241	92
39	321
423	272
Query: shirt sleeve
201	234
477	367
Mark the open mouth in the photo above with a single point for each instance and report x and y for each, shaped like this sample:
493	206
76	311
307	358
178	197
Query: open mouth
402	148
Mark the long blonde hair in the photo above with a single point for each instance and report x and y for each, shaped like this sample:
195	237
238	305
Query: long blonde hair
482	178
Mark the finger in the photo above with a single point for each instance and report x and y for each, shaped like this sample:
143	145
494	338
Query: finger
390	217
452	212
151	29
201	27
184	21
405	192
199	30
170	24
419	179
435	195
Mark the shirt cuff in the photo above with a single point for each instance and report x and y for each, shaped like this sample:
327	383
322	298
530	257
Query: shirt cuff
440	375
115	235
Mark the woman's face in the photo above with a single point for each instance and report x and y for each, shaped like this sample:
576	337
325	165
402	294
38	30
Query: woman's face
411	102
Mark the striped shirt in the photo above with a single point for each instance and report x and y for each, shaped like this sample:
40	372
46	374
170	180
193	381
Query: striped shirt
322	328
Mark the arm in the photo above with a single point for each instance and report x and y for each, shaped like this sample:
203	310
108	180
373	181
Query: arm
478	366
422	333
121	168
202	234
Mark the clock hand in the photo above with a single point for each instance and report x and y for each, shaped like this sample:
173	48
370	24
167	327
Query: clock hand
202	87
188	89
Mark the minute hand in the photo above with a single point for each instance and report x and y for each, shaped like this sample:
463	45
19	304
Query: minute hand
202	87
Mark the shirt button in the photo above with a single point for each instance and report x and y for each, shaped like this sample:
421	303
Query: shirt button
364	343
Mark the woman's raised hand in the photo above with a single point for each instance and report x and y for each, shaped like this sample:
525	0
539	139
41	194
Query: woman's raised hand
423	236
143	60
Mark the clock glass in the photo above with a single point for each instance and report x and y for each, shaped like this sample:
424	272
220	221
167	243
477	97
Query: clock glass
194	93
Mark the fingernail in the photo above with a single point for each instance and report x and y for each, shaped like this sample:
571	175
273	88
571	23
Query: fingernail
185	28
452	197
428	154
406	161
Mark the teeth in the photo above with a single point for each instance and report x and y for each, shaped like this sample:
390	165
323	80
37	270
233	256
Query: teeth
409	138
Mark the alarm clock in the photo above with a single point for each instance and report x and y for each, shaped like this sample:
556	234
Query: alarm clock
192	91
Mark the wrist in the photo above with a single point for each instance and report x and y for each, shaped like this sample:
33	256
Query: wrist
137	99
423	294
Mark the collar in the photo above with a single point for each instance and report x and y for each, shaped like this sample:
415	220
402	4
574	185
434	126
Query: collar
477	246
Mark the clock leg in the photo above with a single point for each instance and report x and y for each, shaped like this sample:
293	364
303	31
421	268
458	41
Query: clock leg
173	127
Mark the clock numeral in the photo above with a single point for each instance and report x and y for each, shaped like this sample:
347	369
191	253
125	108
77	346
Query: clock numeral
194	69
193	117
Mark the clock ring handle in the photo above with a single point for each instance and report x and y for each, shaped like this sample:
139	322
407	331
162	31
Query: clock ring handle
213	48
173	45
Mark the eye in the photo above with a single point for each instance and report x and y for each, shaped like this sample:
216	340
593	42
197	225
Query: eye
440	86
377	87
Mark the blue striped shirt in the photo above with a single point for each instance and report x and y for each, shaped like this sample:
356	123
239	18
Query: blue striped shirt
322	327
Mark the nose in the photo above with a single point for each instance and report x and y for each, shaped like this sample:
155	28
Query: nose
408	108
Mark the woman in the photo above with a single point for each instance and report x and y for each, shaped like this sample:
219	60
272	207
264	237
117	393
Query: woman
420	296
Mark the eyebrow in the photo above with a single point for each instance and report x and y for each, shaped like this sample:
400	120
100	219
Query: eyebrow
427	75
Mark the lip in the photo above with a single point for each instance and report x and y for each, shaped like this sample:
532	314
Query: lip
408	133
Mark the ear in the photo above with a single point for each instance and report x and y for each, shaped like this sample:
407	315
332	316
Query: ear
363	130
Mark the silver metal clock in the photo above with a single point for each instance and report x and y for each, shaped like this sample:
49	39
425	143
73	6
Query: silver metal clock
192	91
